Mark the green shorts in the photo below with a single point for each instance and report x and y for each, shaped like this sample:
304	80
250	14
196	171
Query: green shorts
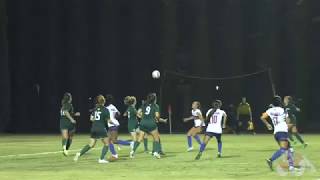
133	128
148	127
99	134
64	125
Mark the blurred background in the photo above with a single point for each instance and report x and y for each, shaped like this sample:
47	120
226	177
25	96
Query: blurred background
90	47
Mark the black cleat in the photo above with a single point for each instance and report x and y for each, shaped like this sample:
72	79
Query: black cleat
198	156
269	162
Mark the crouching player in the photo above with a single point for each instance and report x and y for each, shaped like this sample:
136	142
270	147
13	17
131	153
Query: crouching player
278	116
99	117
217	120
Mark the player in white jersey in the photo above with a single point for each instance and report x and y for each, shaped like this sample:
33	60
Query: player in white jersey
278	116
217	120
198	123
113	128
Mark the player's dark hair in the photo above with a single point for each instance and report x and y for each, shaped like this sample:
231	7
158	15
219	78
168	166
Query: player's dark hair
109	99
276	101
66	98
151	98
216	104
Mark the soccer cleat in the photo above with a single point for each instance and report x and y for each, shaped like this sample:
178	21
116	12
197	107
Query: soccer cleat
157	155
65	152
198	156
291	169
131	154
116	156
162	153
189	149
219	155
102	161
76	157
269	162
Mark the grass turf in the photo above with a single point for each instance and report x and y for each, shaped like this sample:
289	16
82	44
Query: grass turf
243	158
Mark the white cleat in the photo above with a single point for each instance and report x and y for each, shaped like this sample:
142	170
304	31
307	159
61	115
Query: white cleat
65	152
76	157
189	149
291	169
157	155
131	154
102	161
116	156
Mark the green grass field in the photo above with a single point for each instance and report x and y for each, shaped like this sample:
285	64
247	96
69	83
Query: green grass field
24	157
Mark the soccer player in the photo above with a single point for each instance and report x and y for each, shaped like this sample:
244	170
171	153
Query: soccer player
292	109
114	126
131	114
244	116
198	123
149	114
217	120
278	116
99	117
67	122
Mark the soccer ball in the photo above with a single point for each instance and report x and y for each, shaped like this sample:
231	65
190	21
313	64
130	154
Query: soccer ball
112	159
155	74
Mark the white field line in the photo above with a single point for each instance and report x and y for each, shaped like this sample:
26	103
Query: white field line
41	153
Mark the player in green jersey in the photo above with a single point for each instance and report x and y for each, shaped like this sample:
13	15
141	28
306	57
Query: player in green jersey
99	117
131	114
292	110
149	115
67	122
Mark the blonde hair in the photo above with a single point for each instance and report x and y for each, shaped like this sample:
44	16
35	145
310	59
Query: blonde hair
100	100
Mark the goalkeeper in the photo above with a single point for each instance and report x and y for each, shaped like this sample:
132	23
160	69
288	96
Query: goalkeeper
244	117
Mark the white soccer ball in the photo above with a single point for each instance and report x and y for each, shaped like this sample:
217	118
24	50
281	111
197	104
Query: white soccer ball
156	74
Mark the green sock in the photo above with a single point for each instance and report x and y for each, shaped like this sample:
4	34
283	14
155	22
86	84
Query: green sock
145	143
104	151
160	146
136	145
64	143
157	147
154	146
84	150
69	142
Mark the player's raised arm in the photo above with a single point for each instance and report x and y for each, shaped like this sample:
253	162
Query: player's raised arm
264	118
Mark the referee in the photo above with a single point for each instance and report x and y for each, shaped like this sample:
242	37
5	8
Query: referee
244	117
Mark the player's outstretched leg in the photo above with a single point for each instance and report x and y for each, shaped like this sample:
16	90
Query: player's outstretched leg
85	149
203	146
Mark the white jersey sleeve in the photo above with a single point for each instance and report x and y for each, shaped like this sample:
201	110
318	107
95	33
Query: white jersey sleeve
215	121
113	112
278	116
